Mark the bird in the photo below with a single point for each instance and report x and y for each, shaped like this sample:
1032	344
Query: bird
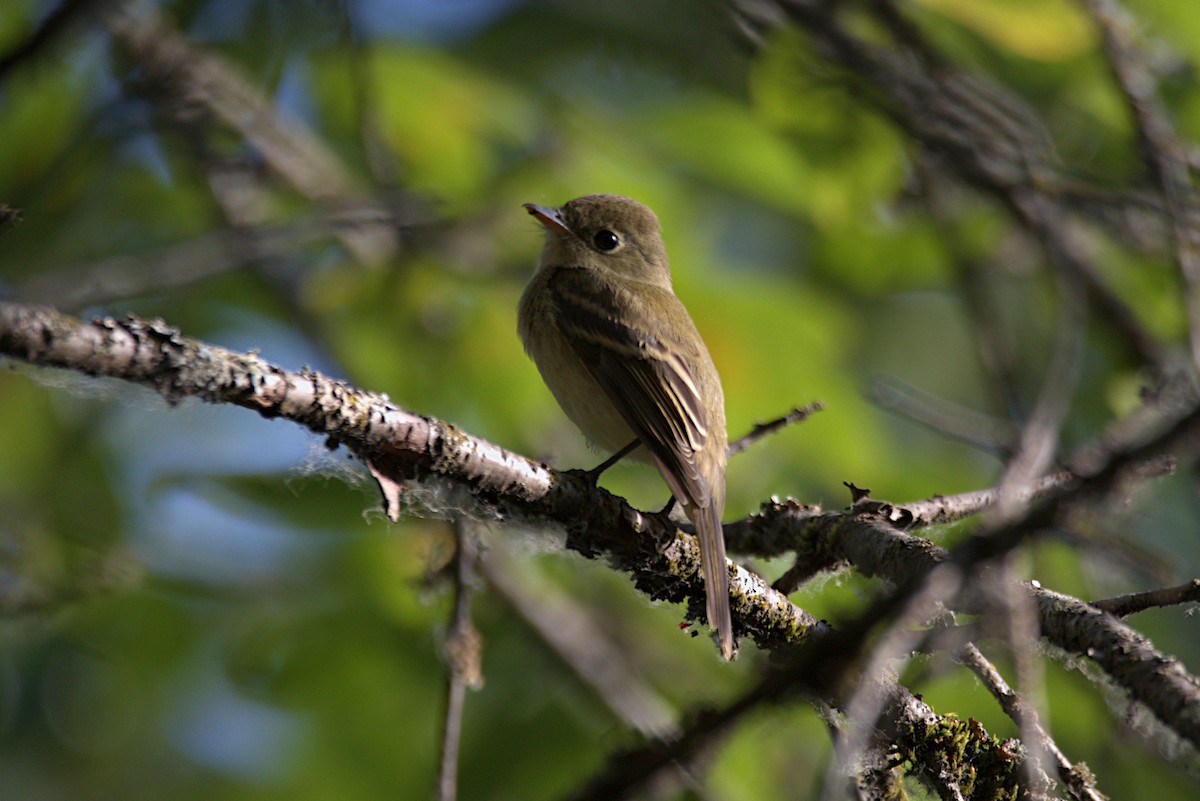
622	357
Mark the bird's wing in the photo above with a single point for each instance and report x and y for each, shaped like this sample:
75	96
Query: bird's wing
654	389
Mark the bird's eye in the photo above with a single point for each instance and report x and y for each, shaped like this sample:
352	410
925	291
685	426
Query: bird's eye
605	241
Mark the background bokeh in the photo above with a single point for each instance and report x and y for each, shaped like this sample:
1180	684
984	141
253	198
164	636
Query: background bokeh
202	604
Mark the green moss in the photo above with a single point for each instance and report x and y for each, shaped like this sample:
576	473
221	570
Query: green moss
953	751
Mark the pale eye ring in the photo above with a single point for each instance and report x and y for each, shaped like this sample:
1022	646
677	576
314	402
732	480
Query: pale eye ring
605	240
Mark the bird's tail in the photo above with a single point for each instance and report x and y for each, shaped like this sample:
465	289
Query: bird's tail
716	574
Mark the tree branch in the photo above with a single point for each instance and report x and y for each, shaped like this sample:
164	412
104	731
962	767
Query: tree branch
463	652
1161	151
760	430
976	130
663	561
1124	605
1078	780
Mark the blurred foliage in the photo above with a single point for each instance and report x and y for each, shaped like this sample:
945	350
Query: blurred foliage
212	607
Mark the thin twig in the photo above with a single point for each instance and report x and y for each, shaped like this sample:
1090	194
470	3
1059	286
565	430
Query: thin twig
950	420
1019	620
366	95
1038	445
942	509
1123	605
184	263
183	72
761	430
1160	148
993	340
463	653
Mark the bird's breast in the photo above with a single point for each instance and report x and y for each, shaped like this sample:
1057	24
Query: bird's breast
579	395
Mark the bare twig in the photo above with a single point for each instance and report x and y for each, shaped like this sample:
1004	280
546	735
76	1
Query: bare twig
366	93
1038	444
1123	605
943	509
1019	619
993	341
759	536
950	420
760	430
1159	146
463	653
178	265
194	77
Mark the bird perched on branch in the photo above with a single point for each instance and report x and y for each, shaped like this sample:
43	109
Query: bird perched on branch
625	362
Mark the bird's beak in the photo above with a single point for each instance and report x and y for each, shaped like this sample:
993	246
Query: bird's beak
550	219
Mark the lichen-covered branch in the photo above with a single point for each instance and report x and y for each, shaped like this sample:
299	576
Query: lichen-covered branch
663	561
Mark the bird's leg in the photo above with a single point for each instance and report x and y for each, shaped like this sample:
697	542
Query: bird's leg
593	475
575	539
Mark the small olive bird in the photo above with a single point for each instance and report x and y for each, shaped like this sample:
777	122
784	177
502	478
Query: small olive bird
627	365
